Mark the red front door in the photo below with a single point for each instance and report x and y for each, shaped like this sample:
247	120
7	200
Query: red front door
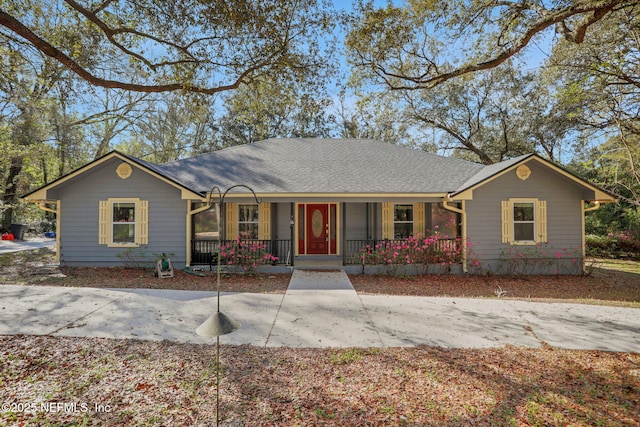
317	229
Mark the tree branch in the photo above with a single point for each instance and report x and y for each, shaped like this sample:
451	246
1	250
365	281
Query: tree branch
596	11
110	33
46	48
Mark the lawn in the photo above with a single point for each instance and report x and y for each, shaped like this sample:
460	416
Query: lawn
89	381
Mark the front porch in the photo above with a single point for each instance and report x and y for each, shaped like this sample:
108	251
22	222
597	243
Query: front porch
356	253
332	235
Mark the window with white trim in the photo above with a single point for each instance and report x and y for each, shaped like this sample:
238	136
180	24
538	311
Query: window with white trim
123	222
524	224
524	221
402	221
248	221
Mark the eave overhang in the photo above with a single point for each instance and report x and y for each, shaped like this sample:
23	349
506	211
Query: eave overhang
338	197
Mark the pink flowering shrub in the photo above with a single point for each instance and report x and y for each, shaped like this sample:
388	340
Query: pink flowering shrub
417	250
619	244
244	256
542	258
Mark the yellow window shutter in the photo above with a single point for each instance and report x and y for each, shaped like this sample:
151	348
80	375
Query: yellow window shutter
231	219
264	216
419	218
103	222
142	223
541	221
387	220
507	222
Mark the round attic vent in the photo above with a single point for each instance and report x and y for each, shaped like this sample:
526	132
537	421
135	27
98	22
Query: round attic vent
523	172
124	170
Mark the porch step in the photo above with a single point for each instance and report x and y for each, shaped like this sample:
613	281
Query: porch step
318	263
305	280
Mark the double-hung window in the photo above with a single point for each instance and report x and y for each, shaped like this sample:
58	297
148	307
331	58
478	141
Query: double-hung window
524	221
123	222
402	221
248	221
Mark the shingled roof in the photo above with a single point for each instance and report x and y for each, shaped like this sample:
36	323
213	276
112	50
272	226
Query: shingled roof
315	165
331	167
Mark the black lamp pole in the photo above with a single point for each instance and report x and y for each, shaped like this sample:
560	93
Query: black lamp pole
219	323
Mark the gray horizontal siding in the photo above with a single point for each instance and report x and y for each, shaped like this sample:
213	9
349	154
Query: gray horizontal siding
356	221
564	226
79	217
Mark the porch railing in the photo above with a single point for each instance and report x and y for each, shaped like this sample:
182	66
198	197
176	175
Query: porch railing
357	252
202	251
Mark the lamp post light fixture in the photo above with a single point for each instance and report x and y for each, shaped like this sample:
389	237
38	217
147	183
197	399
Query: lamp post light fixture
218	323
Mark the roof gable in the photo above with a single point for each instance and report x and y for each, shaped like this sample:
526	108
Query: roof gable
491	172
40	194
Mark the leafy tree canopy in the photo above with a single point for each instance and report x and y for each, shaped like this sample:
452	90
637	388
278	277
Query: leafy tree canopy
202	46
427	42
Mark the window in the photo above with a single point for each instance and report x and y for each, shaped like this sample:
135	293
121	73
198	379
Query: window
524	221
402	221
205	224
248	221
123	222
524	224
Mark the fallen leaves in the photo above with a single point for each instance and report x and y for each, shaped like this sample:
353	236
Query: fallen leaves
130	382
602	285
163	383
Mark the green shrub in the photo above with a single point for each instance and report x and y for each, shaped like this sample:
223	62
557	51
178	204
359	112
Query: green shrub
613	245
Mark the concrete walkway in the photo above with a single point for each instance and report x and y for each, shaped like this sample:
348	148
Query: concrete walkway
320	309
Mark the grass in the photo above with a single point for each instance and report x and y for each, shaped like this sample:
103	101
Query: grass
620	265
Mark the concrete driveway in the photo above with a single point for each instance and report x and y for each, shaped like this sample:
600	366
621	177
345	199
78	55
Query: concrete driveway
25	245
318	310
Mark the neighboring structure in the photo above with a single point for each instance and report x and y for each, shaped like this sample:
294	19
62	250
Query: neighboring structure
325	199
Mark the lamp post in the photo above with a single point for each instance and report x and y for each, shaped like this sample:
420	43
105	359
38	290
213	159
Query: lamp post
219	323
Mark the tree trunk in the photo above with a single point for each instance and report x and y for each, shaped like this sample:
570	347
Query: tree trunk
10	198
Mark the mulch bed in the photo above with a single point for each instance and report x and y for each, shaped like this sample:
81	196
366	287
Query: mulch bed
602	286
607	286
118	277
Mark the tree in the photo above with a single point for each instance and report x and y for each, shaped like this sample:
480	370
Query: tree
112	113
480	117
25	86
192	45
376	116
285	107
428	42
174	127
598	86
